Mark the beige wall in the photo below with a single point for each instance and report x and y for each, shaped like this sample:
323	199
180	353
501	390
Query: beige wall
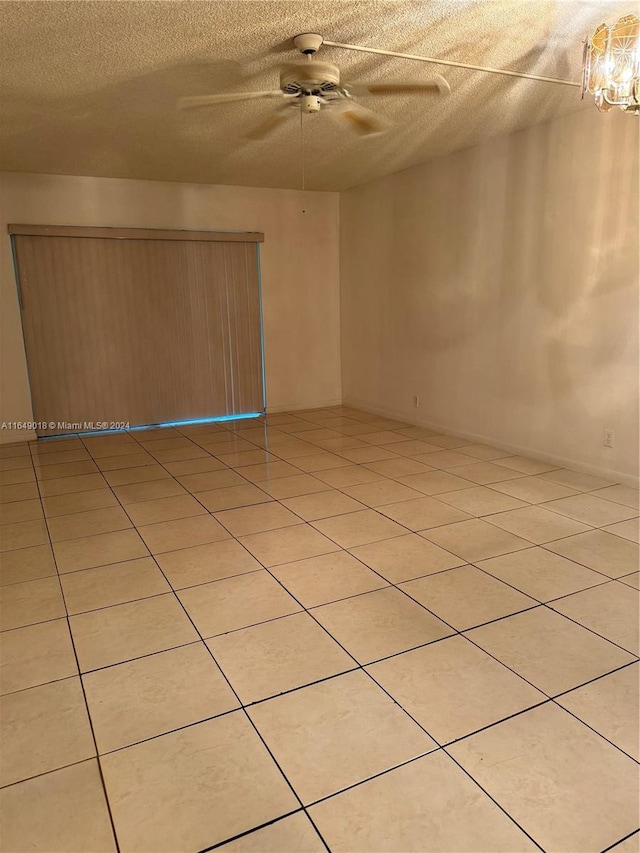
500	285
299	262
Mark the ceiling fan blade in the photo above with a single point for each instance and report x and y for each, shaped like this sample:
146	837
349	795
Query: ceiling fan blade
270	124
210	100
360	120
436	85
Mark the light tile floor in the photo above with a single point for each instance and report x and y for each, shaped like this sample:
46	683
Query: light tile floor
319	630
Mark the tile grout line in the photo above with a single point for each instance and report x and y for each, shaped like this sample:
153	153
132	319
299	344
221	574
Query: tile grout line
341	550
241	705
81	683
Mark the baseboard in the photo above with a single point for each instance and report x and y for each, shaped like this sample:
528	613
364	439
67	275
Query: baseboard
300	407
14	436
516	449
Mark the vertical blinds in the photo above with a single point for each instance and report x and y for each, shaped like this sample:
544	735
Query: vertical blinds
151	327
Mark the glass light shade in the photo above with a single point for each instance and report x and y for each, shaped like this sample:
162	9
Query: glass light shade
612	65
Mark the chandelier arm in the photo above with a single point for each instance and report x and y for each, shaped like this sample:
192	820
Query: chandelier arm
449	62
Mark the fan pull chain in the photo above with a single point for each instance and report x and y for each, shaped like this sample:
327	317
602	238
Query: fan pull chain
302	162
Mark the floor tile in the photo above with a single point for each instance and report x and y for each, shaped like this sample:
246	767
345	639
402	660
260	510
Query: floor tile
444	459
18	476
563	784
405	557
381	492
592	510
123	461
422	513
330	577
450	442
610	610
620	494
632	580
43	728
479	501
352	475
322	505
65	469
452	688
625	529
70	485
576	480
227	605
205	563
23	534
179	454
428	805
88	523
268	659
246	457
484	452
27	564
164	509
30	602
435	482
337	733
413	447
378	624
35	655
359	528
537	524
105	586
551	652
147	471
269	471
232	497
151	490
631	844
610	706
79	502
526	465
534	490
182	533
257	519
194	466
402	466
127	631
18	511
291	487
18	492
288	544
71	814
11	463
321	461
295	834
541	574
195	787
466	597
153	695
604	552
101	550
485	473
475	540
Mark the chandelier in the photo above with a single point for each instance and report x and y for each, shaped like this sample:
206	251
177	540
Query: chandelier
612	65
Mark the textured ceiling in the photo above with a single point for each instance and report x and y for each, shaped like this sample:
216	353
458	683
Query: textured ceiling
89	87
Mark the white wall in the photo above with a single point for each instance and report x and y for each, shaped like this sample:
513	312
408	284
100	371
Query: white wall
500	284
299	262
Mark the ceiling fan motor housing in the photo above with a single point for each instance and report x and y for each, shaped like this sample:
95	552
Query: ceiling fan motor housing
309	78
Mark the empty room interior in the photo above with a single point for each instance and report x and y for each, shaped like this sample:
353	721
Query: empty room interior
319	396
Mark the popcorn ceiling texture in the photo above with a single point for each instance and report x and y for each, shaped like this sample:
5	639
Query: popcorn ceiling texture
89	88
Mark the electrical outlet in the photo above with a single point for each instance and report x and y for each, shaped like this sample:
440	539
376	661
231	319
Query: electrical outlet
607	439
416	402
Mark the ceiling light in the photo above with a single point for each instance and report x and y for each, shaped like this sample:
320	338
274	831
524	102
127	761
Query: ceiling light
612	65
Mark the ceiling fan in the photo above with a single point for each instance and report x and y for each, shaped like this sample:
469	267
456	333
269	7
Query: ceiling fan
314	86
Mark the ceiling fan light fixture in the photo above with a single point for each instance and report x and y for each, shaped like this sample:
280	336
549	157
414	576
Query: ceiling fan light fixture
612	65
